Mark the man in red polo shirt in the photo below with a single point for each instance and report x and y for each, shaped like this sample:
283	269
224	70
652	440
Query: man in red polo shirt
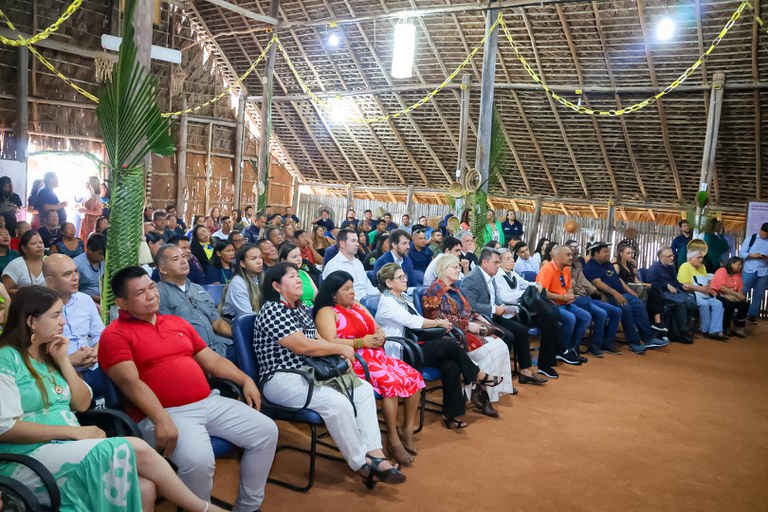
160	363
555	277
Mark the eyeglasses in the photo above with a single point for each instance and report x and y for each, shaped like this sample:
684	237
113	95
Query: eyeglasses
417	231
455	267
401	277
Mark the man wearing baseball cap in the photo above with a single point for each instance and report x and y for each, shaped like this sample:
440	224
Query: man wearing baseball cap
634	317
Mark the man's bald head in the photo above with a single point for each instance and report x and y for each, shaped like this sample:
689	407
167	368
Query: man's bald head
61	275
563	255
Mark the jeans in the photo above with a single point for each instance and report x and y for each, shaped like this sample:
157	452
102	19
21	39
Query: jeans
634	319
575	324
605	318
231	420
757	284
711	313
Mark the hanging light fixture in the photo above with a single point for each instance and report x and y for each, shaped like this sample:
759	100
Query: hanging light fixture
403	49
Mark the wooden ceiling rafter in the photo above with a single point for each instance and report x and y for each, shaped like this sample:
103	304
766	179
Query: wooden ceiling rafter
317	143
617	99
556	114
659	103
309	159
321	114
536	146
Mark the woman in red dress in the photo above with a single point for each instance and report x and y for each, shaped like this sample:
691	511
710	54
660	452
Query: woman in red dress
340	319
91	208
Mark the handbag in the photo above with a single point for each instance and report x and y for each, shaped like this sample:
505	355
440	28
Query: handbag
430	333
535	301
327	367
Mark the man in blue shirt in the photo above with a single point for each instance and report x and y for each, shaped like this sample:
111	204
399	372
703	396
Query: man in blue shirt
256	230
391	226
90	265
420	254
324	220
399	246
680	243
634	317
46	198
754	250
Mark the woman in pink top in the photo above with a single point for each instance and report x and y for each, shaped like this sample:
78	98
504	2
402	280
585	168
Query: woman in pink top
730	290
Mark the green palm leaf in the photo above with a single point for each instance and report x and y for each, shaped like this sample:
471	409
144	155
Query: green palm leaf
131	126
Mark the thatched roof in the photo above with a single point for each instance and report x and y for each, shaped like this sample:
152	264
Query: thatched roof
608	49
651	156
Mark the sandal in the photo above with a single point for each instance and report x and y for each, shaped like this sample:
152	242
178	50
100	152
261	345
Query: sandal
407	441
375	475
490	381
400	454
453	422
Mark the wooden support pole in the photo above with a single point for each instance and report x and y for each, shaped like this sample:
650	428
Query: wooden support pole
208	169
266	104
239	141
296	194
142	24
409	200
350	199
461	164
534	230
610	222
181	161
484	124
710	139
22	105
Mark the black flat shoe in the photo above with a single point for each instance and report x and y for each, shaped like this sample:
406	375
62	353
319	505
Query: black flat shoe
526	379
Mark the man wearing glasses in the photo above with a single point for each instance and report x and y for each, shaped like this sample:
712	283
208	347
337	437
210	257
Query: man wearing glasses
666	289
555	277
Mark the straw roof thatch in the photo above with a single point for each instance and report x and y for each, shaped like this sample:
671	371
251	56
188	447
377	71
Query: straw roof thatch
609	49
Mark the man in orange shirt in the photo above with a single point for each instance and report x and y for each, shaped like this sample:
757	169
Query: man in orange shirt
555	277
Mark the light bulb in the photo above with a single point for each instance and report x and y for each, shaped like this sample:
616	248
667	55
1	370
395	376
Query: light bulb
666	29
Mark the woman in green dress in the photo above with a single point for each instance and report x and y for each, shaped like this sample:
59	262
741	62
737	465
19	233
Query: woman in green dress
292	254
39	390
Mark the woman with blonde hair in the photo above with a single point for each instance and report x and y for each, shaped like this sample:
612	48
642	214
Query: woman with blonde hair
694	278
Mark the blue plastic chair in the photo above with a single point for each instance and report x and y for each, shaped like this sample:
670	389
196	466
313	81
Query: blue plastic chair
372	277
371	303
642	274
529	275
242	335
418	297
215	291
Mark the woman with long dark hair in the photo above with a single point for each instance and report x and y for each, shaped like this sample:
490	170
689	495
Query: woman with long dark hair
728	284
292	254
242	295
221	270
91	208
541	246
201	245
28	269
340	320
284	334
38	392
68	243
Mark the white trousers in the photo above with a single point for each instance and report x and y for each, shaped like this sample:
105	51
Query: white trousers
228	419
355	436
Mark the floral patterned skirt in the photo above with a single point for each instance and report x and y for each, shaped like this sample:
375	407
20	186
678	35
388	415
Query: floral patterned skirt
390	377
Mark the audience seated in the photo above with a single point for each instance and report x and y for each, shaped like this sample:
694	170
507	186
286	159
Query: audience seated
634	317
324	220
350	222
90	266
82	323
493	230
419	254
196	272
255	230
50	230
28	269
451	245
480	290
340	320
181	297
555	277
396	313
68	243
510	287
235	238
399	246
220	270
290	252
160	220
381	247
21	228
667	290
242	296
346	261
6	253
172	401
626	268
538	254
523	260
307	251
728	284
443	299
435	242
284	334
467	259
693	276
222	235
200	245
605	317
40	389
268	252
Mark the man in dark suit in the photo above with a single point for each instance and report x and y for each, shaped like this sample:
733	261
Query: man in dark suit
480	290
399	245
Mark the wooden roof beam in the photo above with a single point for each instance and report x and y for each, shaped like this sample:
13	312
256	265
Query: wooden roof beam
659	103
311	133
535	144
622	121
554	107
269	20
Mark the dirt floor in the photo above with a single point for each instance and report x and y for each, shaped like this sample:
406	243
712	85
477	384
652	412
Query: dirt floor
677	429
